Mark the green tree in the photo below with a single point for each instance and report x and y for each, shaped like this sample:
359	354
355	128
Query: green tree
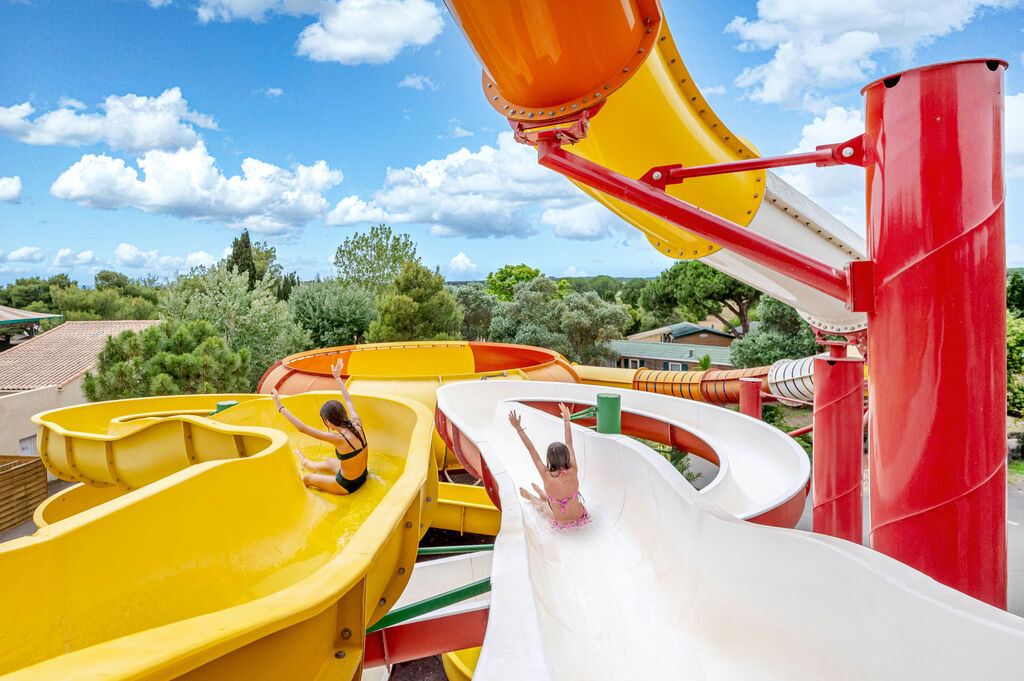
588	322
416	306
577	325
167	359
334	313
704	362
630	292
373	259
132	288
241	258
501	284
77	304
1015	293
27	290
692	289
477	309
1014	365
532	317
604	286
254	320
781	335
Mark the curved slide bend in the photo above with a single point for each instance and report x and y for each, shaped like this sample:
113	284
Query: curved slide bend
665	584
223	569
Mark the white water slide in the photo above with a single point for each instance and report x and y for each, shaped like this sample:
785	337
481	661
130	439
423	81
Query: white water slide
664	583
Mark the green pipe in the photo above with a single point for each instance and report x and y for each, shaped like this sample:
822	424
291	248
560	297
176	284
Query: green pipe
431	604
441	550
609	413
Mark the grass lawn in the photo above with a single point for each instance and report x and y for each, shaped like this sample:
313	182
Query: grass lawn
1015	473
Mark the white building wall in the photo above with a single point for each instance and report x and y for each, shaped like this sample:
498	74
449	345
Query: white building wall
16	410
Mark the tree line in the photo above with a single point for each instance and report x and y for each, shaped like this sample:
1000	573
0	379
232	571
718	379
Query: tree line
224	325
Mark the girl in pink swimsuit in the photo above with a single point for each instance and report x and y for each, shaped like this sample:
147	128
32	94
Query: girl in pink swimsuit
561	492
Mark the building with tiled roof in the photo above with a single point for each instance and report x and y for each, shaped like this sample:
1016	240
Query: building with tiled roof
668	356
46	372
687	333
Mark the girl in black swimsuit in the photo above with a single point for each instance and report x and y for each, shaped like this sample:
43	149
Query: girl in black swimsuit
347	472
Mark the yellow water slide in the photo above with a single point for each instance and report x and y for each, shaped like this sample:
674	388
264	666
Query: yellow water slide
221	564
545	62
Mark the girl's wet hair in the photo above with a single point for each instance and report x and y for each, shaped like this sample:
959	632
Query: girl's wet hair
334	413
558	457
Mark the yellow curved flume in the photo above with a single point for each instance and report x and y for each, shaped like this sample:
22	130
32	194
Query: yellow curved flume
225	568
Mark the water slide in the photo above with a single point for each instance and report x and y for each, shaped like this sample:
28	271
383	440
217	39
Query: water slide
546	61
206	557
664	583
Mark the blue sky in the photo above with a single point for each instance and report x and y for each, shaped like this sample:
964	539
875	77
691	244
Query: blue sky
143	135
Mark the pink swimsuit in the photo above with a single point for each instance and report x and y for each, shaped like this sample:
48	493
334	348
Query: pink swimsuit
564	503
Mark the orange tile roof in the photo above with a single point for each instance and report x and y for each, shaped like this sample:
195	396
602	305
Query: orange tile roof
61	354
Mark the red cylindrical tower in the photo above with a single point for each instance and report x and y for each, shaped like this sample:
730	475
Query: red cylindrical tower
838	442
936	341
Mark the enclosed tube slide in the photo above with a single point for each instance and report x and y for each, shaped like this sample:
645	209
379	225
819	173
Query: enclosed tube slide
664	584
548	61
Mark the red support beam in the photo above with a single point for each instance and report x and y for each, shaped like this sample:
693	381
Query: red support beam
816	274
750	397
414	640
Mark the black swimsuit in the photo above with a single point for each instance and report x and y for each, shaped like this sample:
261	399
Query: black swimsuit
357	482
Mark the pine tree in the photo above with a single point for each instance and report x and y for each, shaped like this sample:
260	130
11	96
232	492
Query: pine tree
241	258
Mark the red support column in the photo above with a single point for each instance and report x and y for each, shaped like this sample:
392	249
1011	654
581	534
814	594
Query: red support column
750	397
838	442
936	342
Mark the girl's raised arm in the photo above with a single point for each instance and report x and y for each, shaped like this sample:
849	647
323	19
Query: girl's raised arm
299	425
567	420
336	370
517	423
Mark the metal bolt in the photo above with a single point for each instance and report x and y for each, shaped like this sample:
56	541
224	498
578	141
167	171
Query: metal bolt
490	85
340	654
401	571
640	51
584	100
625	70
346	634
596	95
575	106
506	106
429	499
656	175
494	98
607	86
408	525
530	115
749	212
847	152
383	601
649	30
563	108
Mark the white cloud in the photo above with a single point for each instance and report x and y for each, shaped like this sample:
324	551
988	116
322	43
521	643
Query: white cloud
67	258
273	92
496	191
417	82
1013	119
255	10
712	90
352	210
455	129
186	183
838	189
129	255
571	271
823	45
370	31
25	254
10	189
131	123
70	103
461	265
157	4
589	221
